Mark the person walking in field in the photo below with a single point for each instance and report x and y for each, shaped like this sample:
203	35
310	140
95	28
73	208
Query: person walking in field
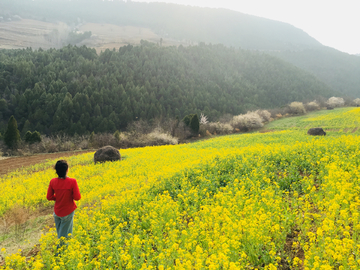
63	190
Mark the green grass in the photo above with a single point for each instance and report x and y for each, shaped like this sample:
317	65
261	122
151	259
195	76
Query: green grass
334	122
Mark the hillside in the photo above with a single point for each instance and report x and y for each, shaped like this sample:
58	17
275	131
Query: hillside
182	23
27	33
74	90
277	200
337	69
35	34
175	24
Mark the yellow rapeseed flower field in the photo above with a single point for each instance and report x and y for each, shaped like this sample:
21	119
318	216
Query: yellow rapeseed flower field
252	201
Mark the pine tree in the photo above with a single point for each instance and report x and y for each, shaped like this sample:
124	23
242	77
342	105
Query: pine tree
26	128
194	123
12	134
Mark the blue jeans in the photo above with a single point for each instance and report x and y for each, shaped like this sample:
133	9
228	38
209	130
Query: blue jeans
64	225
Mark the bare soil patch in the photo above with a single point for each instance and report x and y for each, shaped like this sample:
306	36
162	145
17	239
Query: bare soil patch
13	163
292	251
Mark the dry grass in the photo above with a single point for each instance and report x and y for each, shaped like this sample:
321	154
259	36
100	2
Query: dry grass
36	34
109	36
28	33
22	229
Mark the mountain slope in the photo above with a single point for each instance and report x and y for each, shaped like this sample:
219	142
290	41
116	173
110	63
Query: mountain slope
340	71
192	25
75	90
176	21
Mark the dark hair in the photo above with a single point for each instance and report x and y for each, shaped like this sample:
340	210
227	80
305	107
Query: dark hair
61	168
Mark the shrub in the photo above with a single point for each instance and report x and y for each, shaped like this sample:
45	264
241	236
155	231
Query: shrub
226	118
222	128
348	101
139	127
117	136
335	102
103	139
187	119
253	120
312	106
48	145
216	128
28	136
84	144
158	137
238	121
297	108
246	122
355	101
181	131
67	146
264	114
32	137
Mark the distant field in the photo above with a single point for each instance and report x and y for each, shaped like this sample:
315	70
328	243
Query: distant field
38	34
15	163
341	120
27	33
109	36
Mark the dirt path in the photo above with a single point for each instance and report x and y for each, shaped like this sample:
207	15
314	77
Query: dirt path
13	163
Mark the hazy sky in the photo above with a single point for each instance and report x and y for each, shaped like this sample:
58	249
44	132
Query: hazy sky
334	23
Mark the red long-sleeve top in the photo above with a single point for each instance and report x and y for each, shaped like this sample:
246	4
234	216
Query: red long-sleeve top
63	191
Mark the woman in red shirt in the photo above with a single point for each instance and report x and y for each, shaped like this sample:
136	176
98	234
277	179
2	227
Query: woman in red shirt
63	190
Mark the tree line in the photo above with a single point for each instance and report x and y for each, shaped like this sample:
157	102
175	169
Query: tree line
74	90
